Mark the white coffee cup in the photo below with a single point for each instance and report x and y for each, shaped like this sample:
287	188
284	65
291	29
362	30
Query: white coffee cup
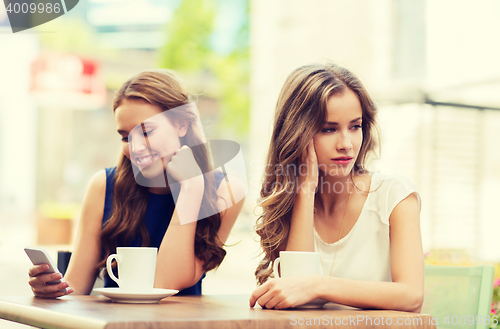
136	268
297	263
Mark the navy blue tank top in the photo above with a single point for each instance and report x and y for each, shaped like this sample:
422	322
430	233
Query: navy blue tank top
157	218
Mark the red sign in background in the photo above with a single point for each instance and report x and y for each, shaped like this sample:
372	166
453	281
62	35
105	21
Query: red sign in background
67	80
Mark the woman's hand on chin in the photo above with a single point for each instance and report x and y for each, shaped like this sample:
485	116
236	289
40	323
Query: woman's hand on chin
285	292
184	168
308	170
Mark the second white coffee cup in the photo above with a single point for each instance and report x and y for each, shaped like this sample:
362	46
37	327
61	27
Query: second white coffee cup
297	263
136	268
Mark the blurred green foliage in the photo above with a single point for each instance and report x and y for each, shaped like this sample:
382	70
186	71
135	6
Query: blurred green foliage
70	34
188	50
189	30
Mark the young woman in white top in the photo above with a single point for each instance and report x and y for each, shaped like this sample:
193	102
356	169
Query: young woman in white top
318	196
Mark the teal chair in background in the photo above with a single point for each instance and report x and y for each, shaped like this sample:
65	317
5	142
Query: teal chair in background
458	297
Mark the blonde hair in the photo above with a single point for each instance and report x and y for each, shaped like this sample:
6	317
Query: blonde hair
301	112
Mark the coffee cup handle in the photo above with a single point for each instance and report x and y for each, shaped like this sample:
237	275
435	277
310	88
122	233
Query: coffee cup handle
110	269
275	267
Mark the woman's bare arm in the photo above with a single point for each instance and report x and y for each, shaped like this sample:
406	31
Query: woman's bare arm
301	236
82	271
177	266
405	293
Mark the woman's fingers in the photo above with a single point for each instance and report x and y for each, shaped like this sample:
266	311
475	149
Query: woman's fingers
308	169
265	299
41	288
272	300
52	294
267	295
183	165
257	293
37	280
282	293
283	304
37	269
41	279
311	151
53	288
313	160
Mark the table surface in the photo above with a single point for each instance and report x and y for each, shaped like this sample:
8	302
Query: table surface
214	311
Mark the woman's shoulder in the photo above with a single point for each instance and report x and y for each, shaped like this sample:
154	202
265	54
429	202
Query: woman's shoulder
98	180
110	178
230	184
386	191
386	182
219	176
93	203
110	172
101	182
231	193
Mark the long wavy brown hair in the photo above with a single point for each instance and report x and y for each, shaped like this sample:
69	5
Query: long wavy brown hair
163	89
301	112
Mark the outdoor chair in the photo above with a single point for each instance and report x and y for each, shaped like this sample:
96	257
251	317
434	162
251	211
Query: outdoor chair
63	258
458	296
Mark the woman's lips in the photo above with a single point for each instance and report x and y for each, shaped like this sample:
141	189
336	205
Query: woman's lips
146	160
342	161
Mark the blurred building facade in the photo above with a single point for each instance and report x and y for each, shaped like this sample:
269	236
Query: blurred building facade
432	67
18	122
66	137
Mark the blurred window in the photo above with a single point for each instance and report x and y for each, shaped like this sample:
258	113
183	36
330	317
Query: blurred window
456	177
410	39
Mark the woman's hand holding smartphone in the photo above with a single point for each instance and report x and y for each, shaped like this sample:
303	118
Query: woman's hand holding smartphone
45	279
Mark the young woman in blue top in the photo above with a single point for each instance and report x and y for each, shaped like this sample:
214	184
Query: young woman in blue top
318	196
118	211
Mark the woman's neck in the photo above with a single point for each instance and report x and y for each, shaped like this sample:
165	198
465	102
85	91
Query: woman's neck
332	190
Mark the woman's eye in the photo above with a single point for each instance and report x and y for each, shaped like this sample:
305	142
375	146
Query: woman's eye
126	139
328	130
356	127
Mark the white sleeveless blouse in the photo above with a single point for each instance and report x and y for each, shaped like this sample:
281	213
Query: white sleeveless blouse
364	253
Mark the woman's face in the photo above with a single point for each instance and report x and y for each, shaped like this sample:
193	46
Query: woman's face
149	137
338	143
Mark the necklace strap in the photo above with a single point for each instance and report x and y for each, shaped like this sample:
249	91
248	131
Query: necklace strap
338	240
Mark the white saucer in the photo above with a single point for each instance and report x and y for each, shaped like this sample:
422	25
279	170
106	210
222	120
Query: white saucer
151	297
